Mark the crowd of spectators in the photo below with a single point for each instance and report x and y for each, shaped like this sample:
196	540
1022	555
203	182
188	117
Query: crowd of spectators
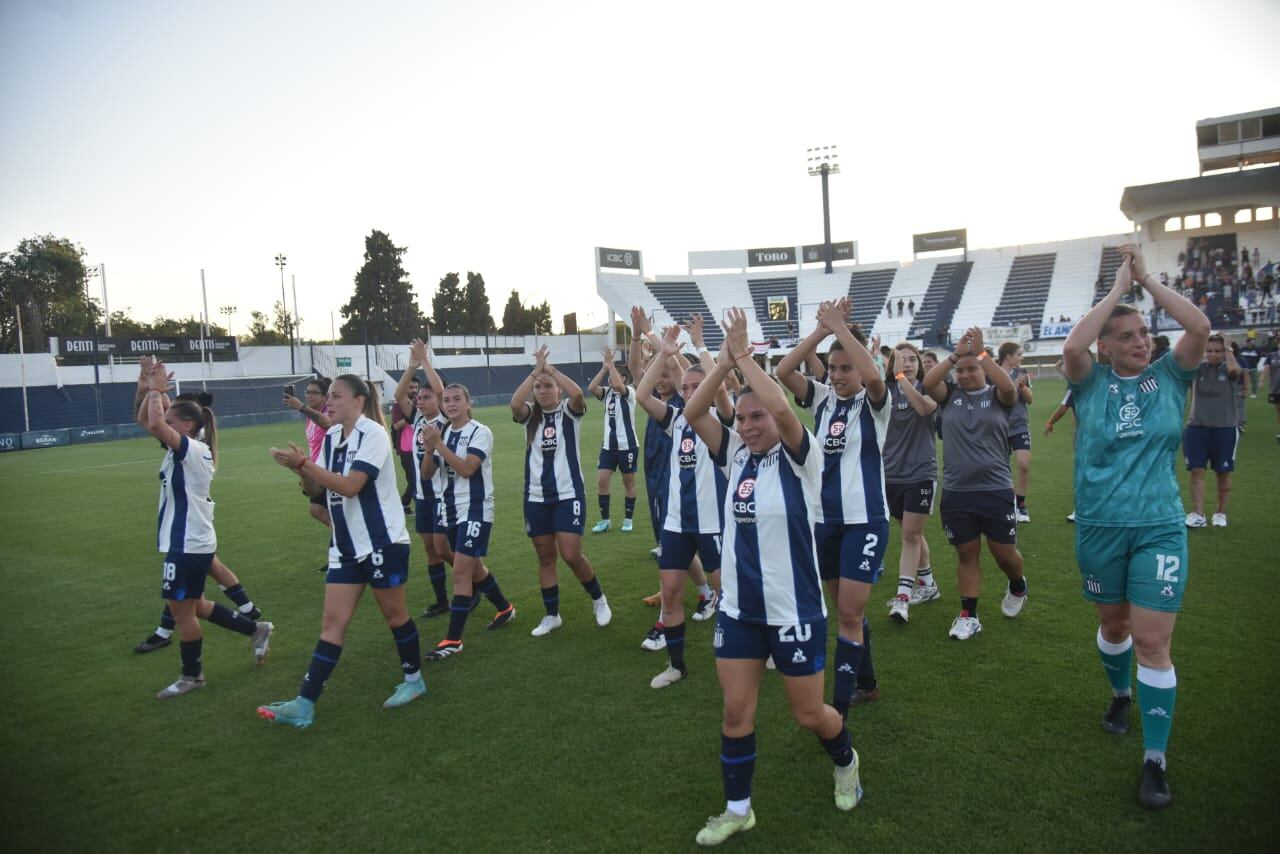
1233	290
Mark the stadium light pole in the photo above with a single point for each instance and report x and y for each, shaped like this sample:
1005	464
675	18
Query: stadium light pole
824	161
281	262
227	311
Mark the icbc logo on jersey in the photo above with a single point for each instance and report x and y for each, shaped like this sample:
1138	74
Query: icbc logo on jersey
549	437
835	438
688	459
744	504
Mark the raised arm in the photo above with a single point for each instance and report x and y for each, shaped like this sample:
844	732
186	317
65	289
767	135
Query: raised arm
697	409
1233	367
767	392
1006	391
596	385
145	366
1189	351
1075	351
417	351
921	404
616	382
520	409
934	381
1024	388
644	392
433	378
789	367
156	402
635	353
834	316
573	391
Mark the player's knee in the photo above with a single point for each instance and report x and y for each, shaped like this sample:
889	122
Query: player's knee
809	716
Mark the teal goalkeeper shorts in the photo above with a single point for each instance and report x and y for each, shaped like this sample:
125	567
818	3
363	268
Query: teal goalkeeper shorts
1145	566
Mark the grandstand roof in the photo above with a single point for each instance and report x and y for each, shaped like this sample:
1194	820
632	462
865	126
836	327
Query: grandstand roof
1245	188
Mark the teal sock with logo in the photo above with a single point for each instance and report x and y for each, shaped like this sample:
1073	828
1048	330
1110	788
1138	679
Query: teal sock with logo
1117	659
1157	695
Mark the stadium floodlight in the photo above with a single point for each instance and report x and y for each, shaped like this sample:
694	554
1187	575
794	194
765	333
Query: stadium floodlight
227	311
281	262
99	271
822	161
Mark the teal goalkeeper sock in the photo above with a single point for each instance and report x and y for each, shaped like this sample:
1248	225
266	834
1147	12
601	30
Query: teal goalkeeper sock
1117	659
1157	695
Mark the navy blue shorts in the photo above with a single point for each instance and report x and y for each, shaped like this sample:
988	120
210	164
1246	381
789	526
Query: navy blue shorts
563	517
911	498
1020	442
679	549
657	493
614	460
968	515
183	576
1210	446
796	650
382	569
470	538
853	552
424	515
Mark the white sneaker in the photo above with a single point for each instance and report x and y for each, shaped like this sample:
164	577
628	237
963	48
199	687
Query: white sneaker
898	609
655	641
925	593
670	676
964	628
547	625
602	611
1023	515
627	527
1011	605
1196	520
1071	517
1219	520
706	609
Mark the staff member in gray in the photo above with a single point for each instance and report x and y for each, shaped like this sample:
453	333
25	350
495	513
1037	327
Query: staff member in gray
977	485
1212	434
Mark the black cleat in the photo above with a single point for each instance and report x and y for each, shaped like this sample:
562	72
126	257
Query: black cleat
436	609
1116	720
152	643
324	569
861	695
1154	791
503	617
255	613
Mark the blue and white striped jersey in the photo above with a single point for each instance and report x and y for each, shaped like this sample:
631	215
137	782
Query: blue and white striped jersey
184	524
466	499
620	420
552	466
696	486
851	433
373	518
769	565
424	487
657	444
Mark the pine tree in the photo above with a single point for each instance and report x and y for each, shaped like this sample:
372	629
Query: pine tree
448	306
478	318
383	304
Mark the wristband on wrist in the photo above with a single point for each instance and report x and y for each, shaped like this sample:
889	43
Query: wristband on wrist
982	354
899	376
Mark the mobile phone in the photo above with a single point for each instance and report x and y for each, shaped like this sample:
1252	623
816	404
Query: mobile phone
291	390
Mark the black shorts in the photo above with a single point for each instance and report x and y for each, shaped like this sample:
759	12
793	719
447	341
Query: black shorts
914	497
1020	442
968	515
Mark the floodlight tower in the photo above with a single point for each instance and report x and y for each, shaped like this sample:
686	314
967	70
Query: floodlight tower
227	311
281	262
824	160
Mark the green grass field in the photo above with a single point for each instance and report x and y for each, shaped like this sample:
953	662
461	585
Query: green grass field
559	743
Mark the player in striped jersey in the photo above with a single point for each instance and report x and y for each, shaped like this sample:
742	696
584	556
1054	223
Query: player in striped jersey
695	494
551	407
1009	357
369	544
426	408
620	448
852	517
184	528
460	460
772	594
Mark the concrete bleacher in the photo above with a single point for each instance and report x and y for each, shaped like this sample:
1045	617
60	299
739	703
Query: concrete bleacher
982	292
868	290
681	301
1108	263
761	290
1025	291
946	286
910	283
1071	288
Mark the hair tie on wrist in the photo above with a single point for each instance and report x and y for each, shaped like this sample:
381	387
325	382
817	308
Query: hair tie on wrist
982	355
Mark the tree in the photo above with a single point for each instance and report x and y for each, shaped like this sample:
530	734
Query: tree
541	316
260	335
518	319
448	306
477	317
383	305
44	278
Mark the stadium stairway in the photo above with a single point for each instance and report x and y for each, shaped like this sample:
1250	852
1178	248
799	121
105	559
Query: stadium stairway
1071	288
941	299
682	300
982	291
868	290
1026	291
1107	267
761	291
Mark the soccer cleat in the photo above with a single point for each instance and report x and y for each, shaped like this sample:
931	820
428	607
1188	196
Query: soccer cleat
1011	604
1219	520
627	526
298	713
435	610
152	643
925	593
1154	791
1022	515
670	676
656	551
721	827
1116	720
324	569
261	641
706	607
1071	517
444	649
848	786
602	526
254	613
503	617
1196	520
653	601
964	627
861	695
654	641
547	625
898	607
184	685
406	692
604	614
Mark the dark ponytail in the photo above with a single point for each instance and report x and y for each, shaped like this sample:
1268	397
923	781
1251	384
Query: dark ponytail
206	426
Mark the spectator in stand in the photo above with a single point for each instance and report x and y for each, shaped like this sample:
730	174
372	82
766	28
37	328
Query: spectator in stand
911	308
888	307
900	305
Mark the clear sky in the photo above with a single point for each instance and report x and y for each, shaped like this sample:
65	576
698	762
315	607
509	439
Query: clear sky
510	138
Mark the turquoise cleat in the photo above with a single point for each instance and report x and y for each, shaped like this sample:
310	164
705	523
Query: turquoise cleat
299	712
602	526
406	692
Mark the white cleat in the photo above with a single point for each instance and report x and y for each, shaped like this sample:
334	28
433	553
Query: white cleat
654	641
262	641
706	609
602	611
925	593
1219	520
898	607
964	628
1071	517
1196	520
670	676
547	625
1011	605
1023	515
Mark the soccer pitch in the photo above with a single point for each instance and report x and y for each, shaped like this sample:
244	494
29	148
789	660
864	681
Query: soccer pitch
558	743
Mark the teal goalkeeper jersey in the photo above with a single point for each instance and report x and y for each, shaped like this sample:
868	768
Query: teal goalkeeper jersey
1127	440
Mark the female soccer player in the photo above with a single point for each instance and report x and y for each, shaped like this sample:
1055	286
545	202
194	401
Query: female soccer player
1212	435
1131	539
977	486
315	409
426	408
695	496
551	407
657	443
620	448
852	520
911	477
460	460
772	595
185	534
369	545
1009	357
403	435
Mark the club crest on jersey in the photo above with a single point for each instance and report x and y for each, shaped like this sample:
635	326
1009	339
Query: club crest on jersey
688	457
1149	385
835	440
744	502
549	438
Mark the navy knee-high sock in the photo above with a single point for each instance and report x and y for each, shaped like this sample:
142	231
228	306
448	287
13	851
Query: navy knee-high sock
604	507
551	600
848	658
840	748
866	668
593	587
458	613
323	660
407	646
629	506
190	651
436	573
737	764
675	645
166	620
233	620
236	593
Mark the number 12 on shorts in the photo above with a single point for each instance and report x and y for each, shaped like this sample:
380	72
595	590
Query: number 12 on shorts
1167	567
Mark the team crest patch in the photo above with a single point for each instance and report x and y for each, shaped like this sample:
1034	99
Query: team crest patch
1149	385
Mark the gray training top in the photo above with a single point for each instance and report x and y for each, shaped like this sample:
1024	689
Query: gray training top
1018	422
975	437
910	452
1213	400
1273	371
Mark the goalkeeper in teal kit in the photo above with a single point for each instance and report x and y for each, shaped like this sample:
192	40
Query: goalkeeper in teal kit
1131	538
